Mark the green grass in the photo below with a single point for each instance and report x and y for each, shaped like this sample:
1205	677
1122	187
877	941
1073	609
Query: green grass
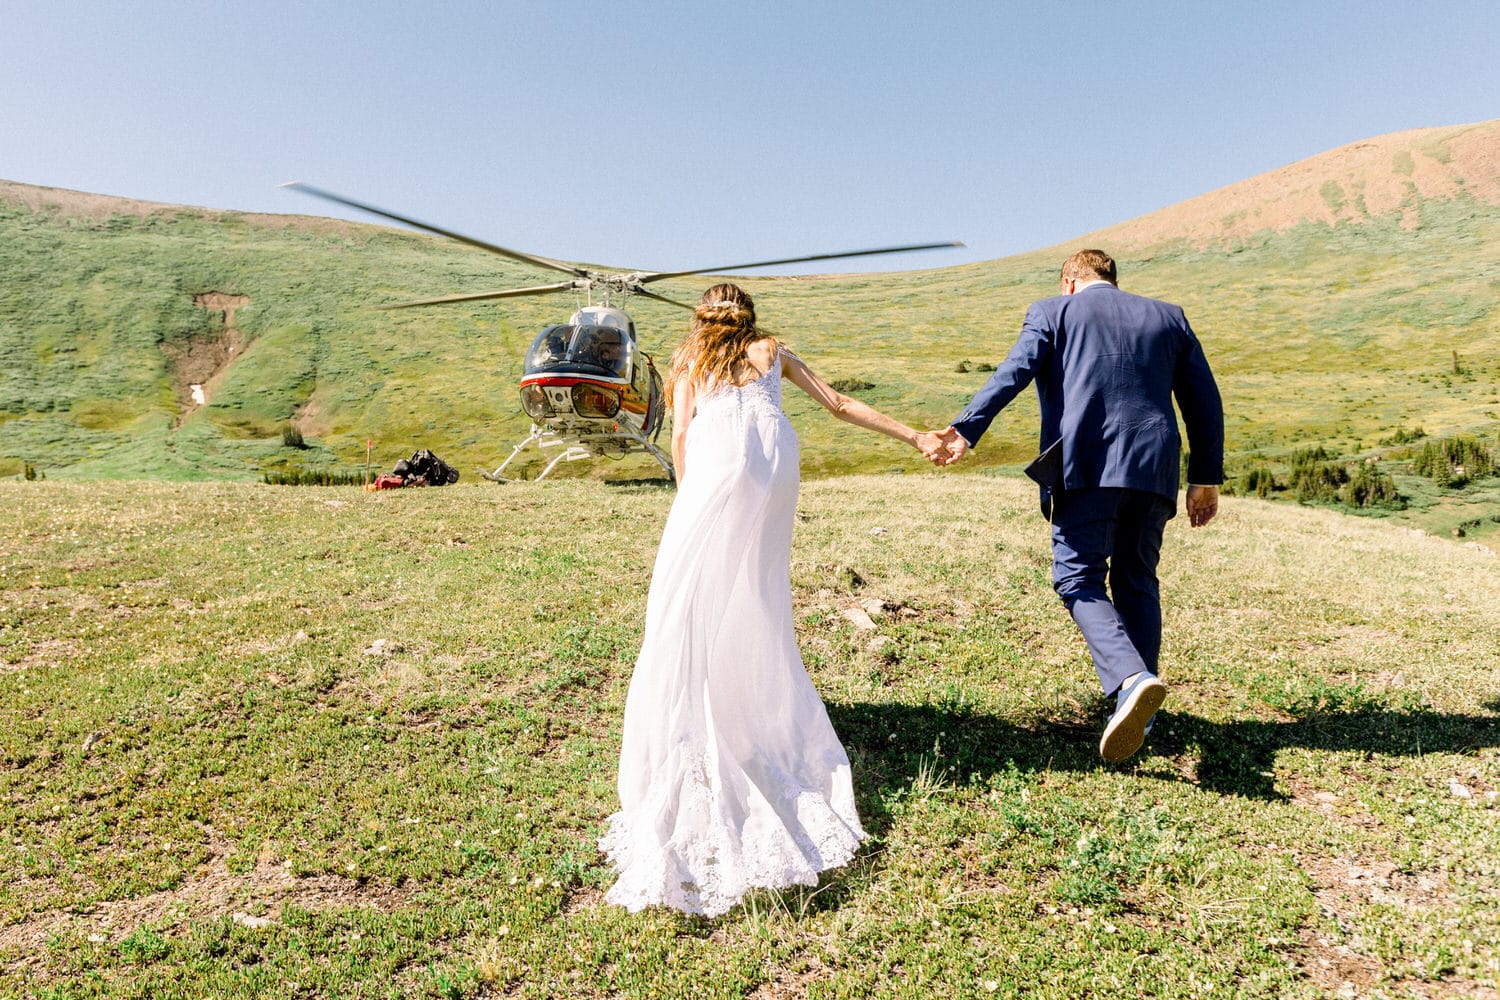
254	736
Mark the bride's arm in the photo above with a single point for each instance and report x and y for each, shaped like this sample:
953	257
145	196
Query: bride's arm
684	405
852	410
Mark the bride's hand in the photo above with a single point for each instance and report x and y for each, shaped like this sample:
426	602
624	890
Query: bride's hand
932	446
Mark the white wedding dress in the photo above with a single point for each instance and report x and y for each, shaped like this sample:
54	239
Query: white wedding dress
731	776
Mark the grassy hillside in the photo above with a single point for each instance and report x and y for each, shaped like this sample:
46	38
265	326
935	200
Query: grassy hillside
1372	316
324	743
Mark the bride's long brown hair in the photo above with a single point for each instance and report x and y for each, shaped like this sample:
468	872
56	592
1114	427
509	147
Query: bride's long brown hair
723	328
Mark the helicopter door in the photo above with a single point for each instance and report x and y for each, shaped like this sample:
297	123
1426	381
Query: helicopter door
641	382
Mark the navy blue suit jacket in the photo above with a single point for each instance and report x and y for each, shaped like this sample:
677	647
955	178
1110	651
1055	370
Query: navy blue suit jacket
1107	365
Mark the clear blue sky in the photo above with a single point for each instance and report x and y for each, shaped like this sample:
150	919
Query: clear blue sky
677	135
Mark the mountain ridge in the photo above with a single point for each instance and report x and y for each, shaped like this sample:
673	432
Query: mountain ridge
1366	179
1384	175
71	203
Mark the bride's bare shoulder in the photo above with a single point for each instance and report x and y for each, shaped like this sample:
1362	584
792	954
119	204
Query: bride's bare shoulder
762	353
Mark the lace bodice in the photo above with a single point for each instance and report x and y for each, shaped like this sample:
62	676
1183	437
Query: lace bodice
761	396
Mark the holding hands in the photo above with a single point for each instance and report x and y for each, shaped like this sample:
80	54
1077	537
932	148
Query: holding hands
942	447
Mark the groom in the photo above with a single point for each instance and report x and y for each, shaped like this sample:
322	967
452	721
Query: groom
1107	365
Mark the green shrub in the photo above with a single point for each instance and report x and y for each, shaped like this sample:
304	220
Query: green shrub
1321	481
1453	461
314	477
1370	487
291	437
1404	436
1258	481
1307	457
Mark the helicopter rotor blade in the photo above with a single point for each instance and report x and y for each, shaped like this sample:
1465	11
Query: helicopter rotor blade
660	298
659	275
480	296
547	262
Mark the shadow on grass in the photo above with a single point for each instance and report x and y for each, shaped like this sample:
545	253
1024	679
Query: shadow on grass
646	484
893	746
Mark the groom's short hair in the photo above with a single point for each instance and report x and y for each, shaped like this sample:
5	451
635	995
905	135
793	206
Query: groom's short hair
1089	265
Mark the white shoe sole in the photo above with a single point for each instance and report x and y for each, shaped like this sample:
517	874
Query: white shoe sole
1127	729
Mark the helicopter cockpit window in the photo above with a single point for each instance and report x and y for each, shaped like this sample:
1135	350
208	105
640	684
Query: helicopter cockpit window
602	349
549	349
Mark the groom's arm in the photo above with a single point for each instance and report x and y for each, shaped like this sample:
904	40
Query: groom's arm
1202	409
1031	353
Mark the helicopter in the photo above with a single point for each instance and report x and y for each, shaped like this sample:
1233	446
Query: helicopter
586	385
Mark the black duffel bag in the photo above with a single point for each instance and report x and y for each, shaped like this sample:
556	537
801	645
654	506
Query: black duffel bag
425	469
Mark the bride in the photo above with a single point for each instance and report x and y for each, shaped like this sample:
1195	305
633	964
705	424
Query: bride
731	776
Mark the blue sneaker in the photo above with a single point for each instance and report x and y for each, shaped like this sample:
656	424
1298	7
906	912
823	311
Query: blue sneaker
1135	710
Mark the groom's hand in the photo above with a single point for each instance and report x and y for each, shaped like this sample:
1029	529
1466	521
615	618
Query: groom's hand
954	446
1202	504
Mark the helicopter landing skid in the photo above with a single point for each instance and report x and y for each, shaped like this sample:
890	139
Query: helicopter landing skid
538	437
654	452
571	453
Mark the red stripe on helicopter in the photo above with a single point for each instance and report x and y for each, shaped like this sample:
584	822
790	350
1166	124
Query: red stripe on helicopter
630	400
564	381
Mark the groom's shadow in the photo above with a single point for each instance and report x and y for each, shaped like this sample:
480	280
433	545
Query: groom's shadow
894	748
898	750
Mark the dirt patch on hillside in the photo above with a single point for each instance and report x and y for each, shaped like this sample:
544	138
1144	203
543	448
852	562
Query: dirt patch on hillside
195	361
308	418
222	303
1387	175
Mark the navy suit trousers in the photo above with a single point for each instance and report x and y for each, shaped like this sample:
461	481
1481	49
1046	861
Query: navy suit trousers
1111	536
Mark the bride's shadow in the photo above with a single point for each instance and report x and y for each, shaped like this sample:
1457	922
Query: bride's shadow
893	748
